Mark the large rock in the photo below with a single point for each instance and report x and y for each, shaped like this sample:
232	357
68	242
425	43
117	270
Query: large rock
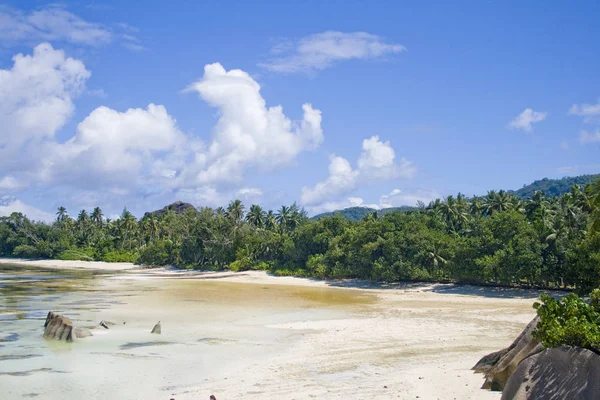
499	366
59	327
554	374
179	207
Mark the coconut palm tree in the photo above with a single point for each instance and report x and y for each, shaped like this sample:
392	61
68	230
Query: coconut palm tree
256	216
62	214
97	216
497	202
271	220
283	217
235	210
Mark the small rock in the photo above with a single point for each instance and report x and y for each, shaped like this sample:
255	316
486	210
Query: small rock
156	328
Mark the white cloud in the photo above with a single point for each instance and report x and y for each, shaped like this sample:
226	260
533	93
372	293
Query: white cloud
341	179
528	117
10	205
322	50
111	147
52	24
589	112
9	183
397	197
376	162
36	96
249	134
249	193
589	137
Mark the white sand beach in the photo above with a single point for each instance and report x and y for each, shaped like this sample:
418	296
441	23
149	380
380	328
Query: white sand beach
252	335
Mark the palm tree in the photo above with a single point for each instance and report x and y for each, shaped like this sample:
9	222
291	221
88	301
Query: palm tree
593	191
235	210
97	216
497	202
256	216
538	204
271	220
128	225
82	217
283	217
61	214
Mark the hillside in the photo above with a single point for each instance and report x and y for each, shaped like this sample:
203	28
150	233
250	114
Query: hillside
358	213
554	187
551	188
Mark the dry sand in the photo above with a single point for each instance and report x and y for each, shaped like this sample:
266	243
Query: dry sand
414	341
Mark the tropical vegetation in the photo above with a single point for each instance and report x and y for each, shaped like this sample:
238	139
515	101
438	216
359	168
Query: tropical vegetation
543	241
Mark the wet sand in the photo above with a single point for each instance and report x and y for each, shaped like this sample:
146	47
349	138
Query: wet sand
250	335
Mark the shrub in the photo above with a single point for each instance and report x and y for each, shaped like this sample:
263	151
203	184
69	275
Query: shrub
120	256
571	321
76	255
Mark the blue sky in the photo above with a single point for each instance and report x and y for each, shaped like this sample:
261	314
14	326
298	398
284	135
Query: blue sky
381	105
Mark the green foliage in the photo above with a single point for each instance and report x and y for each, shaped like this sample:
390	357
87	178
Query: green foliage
120	256
77	254
555	187
571	321
496	238
357	213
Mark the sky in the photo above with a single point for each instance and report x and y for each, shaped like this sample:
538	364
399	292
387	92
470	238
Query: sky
327	104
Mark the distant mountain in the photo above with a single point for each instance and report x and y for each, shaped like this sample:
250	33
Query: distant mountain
554	187
179	207
550	187
358	213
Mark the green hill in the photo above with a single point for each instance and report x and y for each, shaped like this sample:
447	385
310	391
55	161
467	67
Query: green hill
554	187
358	213
551	188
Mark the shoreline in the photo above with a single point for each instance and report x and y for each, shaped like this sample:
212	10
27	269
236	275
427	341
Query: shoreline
412	339
134	271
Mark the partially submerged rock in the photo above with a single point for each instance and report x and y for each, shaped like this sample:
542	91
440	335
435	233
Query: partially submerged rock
560	373
499	366
59	327
83	332
156	328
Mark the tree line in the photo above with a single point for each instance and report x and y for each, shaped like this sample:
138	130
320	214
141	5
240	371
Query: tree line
551	242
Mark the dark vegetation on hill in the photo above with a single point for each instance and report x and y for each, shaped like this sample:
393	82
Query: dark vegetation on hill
497	239
554	187
358	213
550	187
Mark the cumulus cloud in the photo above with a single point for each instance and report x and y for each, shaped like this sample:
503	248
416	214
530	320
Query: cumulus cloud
9	205
54	23
36	96
249	134
341	179
398	197
376	162
589	112
322	50
586	137
528	117
118	147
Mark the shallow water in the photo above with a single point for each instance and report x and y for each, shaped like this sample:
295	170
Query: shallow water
210	329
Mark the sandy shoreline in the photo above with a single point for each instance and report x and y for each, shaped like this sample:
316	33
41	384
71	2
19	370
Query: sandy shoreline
414	340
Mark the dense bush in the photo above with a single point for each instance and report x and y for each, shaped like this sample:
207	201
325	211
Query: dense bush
570	320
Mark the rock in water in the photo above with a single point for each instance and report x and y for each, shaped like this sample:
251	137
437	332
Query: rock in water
59	327
563	372
156	328
82	332
499	366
